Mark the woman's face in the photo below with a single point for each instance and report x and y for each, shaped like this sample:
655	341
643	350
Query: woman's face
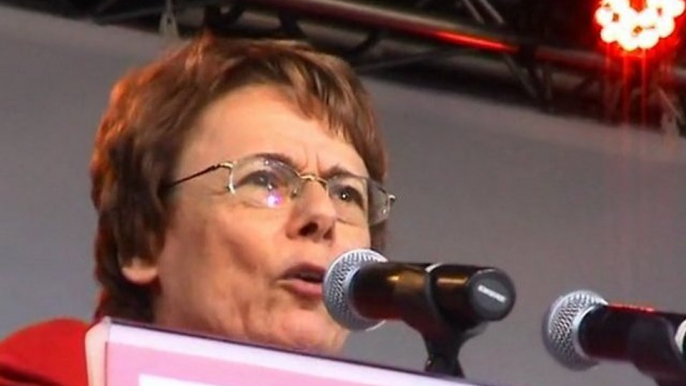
233	269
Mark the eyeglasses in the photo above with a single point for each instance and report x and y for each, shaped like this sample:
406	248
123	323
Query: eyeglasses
266	182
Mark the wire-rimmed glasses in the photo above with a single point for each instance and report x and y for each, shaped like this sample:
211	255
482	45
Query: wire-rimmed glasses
262	181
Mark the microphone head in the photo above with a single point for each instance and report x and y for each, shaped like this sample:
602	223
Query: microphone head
561	328
337	282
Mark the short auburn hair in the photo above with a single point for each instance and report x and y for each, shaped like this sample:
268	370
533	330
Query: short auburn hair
150	117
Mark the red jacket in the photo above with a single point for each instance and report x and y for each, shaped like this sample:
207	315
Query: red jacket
51	353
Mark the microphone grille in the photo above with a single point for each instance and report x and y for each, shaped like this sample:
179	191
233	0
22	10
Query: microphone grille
560	328
337	281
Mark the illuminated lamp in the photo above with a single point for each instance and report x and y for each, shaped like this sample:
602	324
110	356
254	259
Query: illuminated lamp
635	28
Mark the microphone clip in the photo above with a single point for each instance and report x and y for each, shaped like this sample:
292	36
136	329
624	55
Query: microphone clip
443	339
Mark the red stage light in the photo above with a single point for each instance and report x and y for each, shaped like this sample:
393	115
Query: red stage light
631	28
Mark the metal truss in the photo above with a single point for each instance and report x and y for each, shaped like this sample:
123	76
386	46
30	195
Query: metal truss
380	36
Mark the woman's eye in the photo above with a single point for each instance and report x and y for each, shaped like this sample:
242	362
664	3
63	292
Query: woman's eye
349	195
263	179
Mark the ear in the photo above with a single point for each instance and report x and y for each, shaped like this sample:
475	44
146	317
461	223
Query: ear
140	271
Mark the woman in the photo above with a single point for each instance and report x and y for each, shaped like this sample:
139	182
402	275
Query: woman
226	177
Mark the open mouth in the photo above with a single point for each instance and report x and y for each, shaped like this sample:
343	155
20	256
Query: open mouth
305	280
309	276
307	273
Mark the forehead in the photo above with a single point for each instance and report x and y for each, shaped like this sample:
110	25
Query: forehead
261	119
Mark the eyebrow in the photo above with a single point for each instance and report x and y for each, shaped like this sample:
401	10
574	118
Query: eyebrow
336	170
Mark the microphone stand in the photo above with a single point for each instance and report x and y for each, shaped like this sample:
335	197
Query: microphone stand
443	339
653	351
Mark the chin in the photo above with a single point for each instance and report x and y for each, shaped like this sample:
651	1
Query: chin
310	333
313	346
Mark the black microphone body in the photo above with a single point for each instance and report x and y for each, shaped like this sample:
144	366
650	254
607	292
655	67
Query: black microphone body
463	294
581	328
377	290
605	331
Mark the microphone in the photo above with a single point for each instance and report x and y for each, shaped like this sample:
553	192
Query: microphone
581	328
362	290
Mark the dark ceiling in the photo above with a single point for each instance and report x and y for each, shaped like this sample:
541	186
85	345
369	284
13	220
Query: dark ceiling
542	53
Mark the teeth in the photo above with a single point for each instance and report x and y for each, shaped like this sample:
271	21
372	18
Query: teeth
309	276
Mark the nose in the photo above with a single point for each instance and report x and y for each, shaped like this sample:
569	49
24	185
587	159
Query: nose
313	215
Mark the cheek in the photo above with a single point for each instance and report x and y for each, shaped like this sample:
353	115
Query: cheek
192	256
246	242
354	237
182	256
212	261
366	237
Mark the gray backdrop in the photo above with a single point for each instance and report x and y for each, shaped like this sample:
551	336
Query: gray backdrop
559	203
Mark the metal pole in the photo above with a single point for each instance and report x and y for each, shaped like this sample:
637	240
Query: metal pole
404	21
